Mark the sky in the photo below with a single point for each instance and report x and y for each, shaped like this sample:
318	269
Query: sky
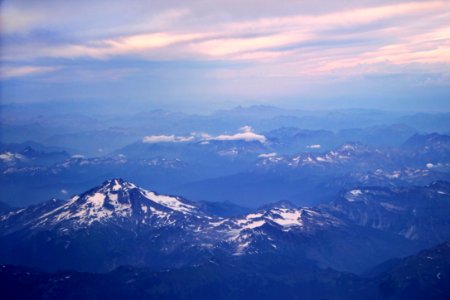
203	54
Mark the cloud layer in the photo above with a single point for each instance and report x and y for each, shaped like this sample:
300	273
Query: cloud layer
246	134
300	47
152	139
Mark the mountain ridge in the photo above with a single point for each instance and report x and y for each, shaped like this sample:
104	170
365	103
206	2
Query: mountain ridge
143	228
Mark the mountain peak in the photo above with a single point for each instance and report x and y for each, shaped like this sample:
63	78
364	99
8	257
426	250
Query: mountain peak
118	201
117	184
352	147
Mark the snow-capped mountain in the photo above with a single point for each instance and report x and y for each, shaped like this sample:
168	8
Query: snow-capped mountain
419	151
29	156
116	201
262	231
207	169
130	224
400	177
417	213
119	223
351	153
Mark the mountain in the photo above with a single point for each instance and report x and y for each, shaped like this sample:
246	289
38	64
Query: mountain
312	234
119	223
352	155
196	151
301	165
16	147
311	177
258	173
417	213
433	147
105	227
116	201
428	122
103	132
379	136
425	275
288	140
256	112
25	185
29	156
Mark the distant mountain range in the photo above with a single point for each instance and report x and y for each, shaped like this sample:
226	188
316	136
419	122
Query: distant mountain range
208	169
96	134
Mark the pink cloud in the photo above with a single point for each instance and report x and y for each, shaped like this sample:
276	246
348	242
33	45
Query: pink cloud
271	44
11	72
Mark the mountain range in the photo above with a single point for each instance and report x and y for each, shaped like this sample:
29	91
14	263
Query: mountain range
425	275
207	170
376	243
119	223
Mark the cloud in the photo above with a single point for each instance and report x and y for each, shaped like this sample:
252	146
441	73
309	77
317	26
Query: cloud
141	44
151	139
246	128
267	39
224	49
267	155
246	135
315	146
11	72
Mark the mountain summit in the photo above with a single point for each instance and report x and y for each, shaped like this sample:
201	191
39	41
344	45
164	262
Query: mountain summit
115	201
126	223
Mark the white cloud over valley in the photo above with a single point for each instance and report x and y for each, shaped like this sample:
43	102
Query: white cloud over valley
151	139
246	134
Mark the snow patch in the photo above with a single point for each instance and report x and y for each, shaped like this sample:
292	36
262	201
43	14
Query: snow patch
254	216
170	202
159	213
353	195
288	218
390	207
8	156
98	199
254	224
116	186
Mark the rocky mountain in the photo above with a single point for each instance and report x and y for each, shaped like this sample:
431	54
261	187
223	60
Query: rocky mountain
28	156
111	225
425	275
119	223
353	154
288	163
417	213
288	140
